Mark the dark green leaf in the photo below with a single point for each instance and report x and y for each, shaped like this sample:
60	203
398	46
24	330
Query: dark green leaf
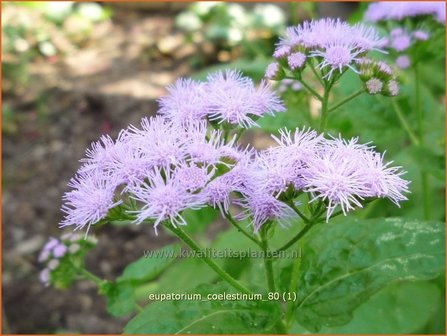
185	274
202	316
119	297
151	265
347	261
412	304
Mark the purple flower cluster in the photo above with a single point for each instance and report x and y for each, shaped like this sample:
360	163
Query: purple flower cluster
399	10
339	172
55	249
377	77
334	44
401	40
226	97
164	165
175	161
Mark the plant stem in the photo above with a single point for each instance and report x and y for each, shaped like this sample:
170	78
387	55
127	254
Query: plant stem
312	67
138	308
240	229
268	263
420	119
298	212
292	288
307	87
297	237
90	276
344	101
324	107
413	138
216	268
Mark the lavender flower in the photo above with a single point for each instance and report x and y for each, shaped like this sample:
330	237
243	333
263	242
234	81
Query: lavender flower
374	86
44	277
59	250
233	99
261	207
335	44
273	71
401	42
384	181
296	60
46	250
403	61
99	155
391	88
205	147
420	35
291	84
393	10
163	199
54	252
160	142
192	177
89	201
186	101
282	51
344	173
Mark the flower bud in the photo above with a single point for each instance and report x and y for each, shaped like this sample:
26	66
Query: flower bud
274	71
391	88
373	86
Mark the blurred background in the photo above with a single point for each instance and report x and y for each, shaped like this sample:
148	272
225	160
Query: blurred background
73	71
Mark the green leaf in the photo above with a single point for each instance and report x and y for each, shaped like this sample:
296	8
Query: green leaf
185	274
203	316
198	220
413	304
347	261
428	161
119	297
149	266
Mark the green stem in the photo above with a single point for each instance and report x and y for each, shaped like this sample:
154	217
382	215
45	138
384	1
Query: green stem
312	67
307	87
240	229
298	212
292	288
239	134
420	121
297	237
417	103
138	308
90	276
216	268
344	101
268	265
413	138
324	107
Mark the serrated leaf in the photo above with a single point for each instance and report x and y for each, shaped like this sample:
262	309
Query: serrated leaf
347	261
149	266
119	298
207	316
